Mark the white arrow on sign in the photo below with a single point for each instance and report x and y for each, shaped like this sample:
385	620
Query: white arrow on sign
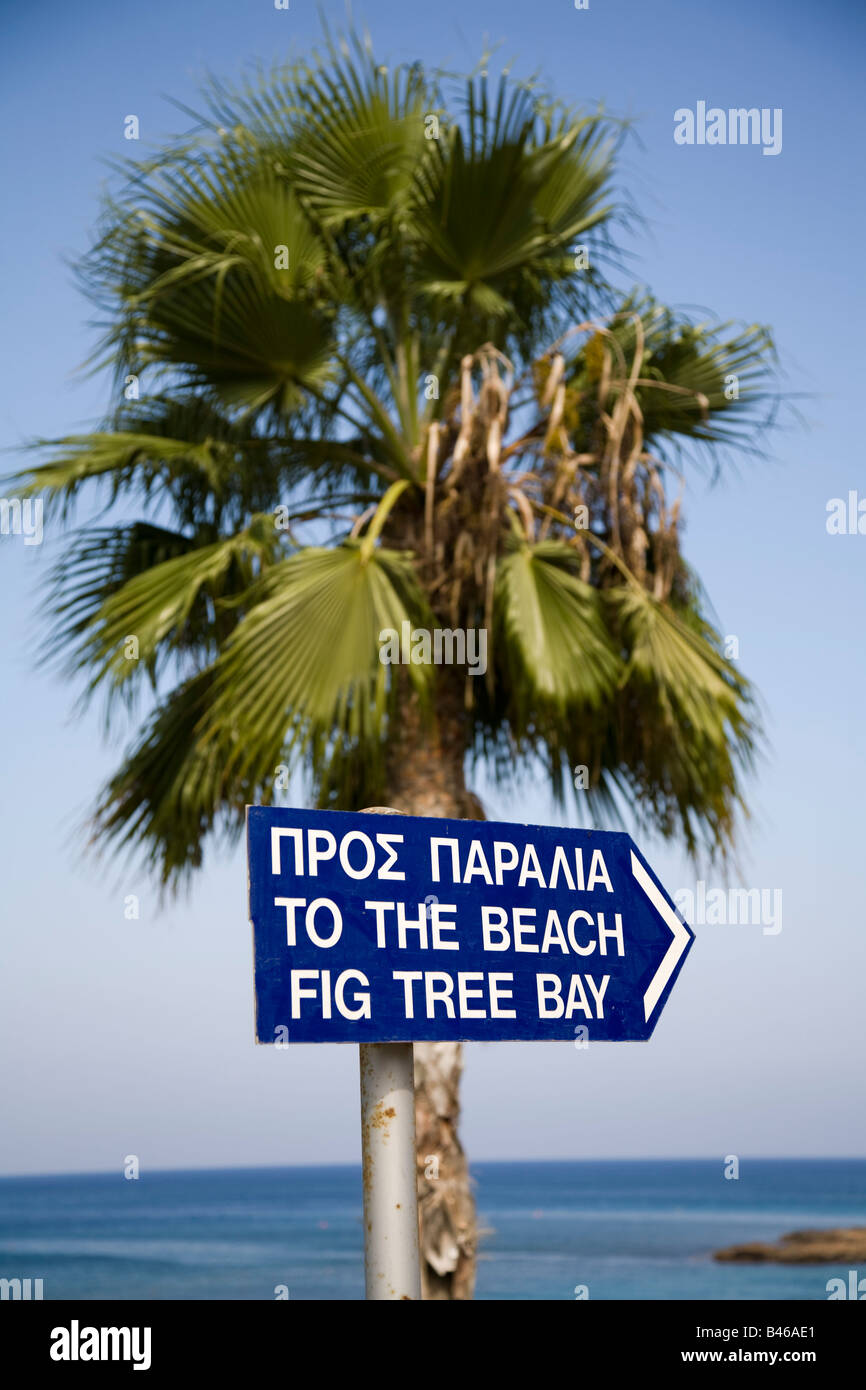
677	946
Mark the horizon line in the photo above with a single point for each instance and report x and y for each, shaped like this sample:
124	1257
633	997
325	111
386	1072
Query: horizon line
502	1162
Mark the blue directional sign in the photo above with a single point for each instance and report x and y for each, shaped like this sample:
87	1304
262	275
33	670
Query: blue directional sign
374	928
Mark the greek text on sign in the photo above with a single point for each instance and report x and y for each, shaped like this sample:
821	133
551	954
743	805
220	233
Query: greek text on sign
401	928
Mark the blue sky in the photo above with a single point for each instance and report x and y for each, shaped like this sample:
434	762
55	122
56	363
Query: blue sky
136	1037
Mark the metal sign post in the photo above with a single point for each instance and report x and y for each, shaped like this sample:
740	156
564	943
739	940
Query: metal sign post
446	930
391	1261
392	1267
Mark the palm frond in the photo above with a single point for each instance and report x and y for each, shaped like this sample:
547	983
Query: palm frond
123	627
551	645
305	661
172	789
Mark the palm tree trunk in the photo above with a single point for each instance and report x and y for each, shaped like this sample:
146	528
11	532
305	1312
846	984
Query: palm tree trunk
426	779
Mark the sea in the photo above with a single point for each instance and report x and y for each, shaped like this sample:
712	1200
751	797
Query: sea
636	1229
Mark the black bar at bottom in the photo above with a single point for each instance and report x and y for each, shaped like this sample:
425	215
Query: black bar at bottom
158	1339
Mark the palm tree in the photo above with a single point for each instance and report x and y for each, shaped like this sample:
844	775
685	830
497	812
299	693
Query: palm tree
387	381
